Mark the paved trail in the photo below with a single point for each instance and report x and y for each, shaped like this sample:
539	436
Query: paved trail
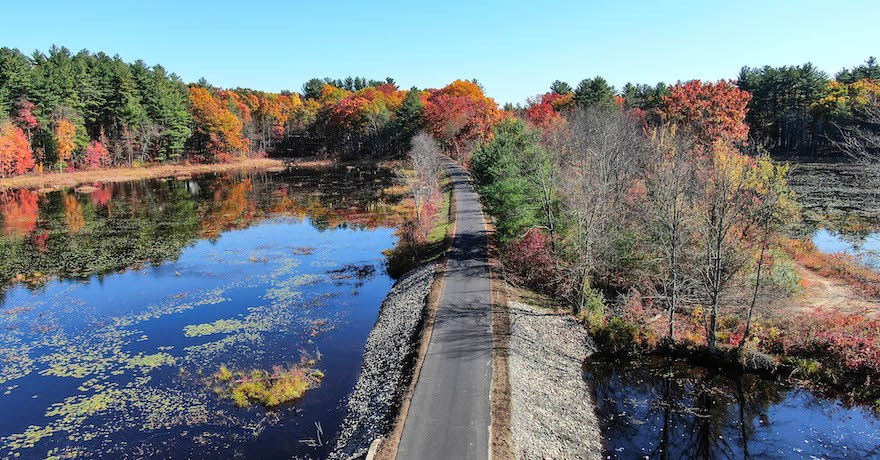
449	413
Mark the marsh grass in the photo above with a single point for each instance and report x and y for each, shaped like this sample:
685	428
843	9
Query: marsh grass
269	389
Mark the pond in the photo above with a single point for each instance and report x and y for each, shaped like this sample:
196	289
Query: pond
666	408
840	207
864	246
120	301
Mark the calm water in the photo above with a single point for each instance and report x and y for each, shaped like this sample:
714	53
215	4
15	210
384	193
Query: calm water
119	302
661	408
840	207
864	246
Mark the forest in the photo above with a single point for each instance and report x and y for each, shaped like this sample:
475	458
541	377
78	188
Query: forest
672	203
61	111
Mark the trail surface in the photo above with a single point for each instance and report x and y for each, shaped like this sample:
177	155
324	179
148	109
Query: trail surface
449	413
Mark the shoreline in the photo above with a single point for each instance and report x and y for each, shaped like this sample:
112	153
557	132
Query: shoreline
55	181
389	361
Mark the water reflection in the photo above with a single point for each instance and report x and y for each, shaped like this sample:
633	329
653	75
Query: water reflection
661	408
109	227
865	246
130	294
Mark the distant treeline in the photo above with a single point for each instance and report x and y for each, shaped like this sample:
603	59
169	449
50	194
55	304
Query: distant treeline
796	110
60	110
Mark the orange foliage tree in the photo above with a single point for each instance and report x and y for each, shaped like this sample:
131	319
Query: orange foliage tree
65	137
15	151
460	115
712	111
218	132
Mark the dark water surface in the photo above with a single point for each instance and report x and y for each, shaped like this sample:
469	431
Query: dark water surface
119	302
661	408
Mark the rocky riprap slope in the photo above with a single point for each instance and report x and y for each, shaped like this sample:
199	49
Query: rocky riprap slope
552	409
389	356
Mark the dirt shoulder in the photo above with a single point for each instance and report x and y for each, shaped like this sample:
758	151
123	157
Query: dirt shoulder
833	294
73	179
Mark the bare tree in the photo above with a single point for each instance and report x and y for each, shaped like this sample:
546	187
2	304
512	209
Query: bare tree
861	142
601	156
425	156
668	212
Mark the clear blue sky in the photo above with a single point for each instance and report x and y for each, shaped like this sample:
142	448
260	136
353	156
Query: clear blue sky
514	48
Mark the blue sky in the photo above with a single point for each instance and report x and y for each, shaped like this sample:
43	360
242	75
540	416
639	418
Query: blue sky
514	48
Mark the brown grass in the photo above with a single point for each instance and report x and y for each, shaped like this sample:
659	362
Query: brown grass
91	176
834	281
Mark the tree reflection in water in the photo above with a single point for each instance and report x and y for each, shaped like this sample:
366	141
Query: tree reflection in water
666	409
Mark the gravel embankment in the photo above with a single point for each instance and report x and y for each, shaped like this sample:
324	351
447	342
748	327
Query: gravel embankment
553	415
388	359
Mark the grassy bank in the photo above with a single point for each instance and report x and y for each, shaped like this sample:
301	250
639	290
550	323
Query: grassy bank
124	174
412	251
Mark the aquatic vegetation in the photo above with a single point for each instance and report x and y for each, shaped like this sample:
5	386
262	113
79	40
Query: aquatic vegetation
119	375
219	326
269	389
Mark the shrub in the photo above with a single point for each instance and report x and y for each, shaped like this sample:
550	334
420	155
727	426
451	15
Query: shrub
529	261
97	156
616	336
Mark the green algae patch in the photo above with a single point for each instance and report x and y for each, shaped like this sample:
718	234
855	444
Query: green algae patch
217	327
151	361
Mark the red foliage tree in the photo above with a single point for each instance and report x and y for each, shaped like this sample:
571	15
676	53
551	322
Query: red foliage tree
16	156
24	116
545	113
97	155
713	111
460	115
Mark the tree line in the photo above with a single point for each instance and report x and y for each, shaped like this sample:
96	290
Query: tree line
793	110
60	110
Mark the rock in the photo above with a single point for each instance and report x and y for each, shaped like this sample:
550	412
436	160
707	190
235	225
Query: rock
552	409
389	356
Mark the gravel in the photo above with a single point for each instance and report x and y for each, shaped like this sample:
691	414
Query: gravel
389	356
553	414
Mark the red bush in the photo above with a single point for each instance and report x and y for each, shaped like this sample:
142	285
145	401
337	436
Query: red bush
529	261
97	156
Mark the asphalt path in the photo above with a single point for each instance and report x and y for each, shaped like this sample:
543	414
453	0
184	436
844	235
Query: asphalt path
448	416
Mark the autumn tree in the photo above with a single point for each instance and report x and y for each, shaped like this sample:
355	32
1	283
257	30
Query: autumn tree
65	138
711	111
459	116
724	204
772	205
24	117
15	150
218	133
97	155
